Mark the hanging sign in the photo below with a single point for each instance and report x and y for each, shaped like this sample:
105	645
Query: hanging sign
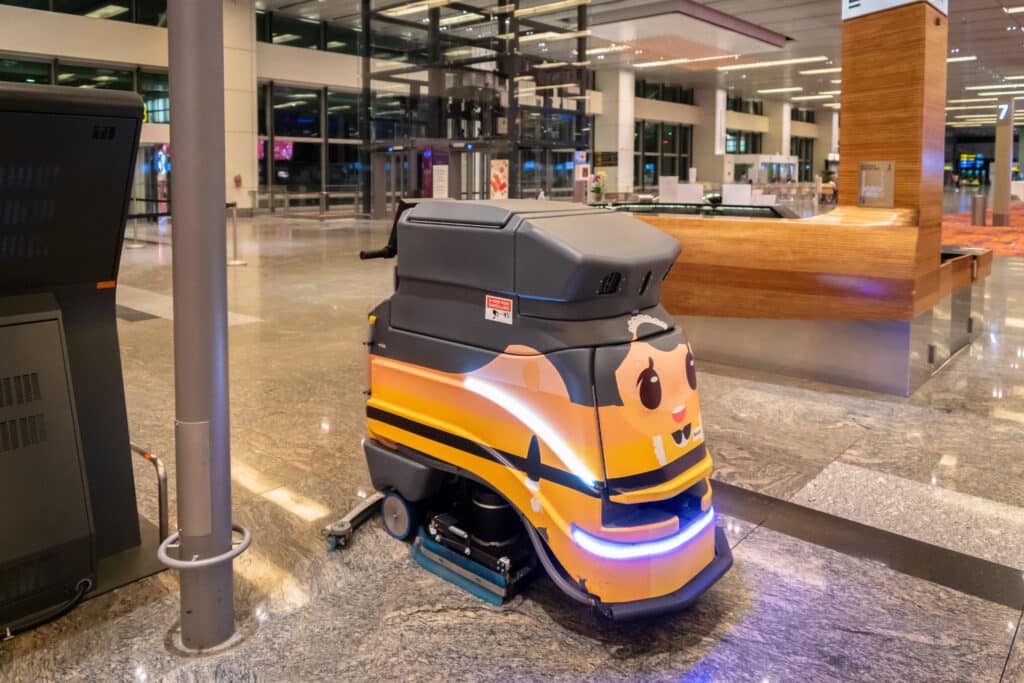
858	8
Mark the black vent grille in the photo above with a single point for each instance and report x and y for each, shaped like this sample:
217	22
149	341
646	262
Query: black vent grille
22	432
18	390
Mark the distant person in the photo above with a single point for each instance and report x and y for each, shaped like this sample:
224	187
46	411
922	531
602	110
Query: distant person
541	194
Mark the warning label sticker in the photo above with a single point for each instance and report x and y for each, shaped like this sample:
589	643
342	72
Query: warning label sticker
498	309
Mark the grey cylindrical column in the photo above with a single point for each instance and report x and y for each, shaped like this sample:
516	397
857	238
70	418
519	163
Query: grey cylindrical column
202	435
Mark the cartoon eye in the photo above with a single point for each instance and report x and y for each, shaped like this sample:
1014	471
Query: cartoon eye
691	370
650	386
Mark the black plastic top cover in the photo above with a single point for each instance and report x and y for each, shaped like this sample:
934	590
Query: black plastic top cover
67	157
560	260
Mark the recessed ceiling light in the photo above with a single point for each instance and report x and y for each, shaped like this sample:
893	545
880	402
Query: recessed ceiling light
836	82
781	62
814	72
771	91
965	58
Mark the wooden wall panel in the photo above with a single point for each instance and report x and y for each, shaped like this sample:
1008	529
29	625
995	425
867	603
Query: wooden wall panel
893	104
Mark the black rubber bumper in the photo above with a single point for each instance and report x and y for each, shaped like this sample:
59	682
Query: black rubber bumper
673	602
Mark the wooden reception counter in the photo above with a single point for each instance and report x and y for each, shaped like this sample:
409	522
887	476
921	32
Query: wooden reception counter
857	296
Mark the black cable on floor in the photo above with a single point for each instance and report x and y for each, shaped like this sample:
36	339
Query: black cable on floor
38	619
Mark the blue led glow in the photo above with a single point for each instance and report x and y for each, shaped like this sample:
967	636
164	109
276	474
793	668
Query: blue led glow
535	423
469	146
632	551
427	154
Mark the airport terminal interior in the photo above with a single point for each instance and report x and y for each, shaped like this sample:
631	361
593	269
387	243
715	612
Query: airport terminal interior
512	340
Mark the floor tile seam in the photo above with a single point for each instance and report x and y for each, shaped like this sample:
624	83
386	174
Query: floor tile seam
776	511
1013	643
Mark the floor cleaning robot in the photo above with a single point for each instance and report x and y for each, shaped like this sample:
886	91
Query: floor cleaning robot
530	402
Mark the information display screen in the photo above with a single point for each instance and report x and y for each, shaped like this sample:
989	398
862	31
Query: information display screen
64	184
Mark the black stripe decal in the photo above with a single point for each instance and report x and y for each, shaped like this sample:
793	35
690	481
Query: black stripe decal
654	477
547	472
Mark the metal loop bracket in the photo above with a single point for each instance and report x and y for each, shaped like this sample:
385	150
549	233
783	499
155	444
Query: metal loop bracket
237	548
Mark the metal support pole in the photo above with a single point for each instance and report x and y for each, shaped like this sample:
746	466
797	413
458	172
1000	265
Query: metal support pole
365	106
134	244
202	431
235	261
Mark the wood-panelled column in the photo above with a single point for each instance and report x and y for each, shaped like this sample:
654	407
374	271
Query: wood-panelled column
894	105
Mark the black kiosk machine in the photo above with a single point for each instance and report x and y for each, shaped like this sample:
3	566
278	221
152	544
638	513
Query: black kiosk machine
68	518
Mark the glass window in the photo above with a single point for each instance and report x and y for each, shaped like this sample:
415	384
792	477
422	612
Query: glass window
285	30
155	95
296	112
261	108
342	114
532	178
118	10
650	172
651	141
669	136
652	91
19	71
31	4
262	27
342	166
94	77
151	12
685	134
297	165
637	128
262	160
563	167
342	39
668	166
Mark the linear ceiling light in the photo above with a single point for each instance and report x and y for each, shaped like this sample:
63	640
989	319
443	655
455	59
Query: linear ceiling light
605	50
549	7
814	72
107	12
781	62
836	81
550	65
463	18
1002	93
832	105
771	91
683	60
973	99
413	8
973	106
553	36
1014	10
965	58
831	92
804	98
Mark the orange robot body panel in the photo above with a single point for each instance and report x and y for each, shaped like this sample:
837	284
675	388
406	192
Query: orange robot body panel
525	364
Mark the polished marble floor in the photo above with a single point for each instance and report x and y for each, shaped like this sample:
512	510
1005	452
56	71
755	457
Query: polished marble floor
943	468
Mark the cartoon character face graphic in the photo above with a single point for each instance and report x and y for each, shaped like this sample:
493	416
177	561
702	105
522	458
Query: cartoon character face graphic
658	389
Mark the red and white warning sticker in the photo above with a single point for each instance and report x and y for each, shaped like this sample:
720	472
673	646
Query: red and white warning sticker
498	309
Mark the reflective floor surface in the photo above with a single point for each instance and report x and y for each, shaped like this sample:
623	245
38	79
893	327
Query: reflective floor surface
939	475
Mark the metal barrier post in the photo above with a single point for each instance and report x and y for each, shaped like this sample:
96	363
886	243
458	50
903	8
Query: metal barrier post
286	202
323	205
134	244
234	261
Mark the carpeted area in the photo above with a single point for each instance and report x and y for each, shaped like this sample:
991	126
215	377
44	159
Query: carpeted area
1008	241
